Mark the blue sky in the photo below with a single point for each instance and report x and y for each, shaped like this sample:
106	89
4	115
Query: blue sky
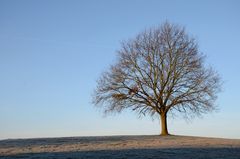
52	53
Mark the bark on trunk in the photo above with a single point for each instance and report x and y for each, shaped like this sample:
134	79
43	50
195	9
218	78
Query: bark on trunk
164	131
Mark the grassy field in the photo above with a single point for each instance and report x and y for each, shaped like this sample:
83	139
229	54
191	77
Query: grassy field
137	147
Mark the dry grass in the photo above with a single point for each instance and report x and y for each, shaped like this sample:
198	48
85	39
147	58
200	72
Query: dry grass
85	146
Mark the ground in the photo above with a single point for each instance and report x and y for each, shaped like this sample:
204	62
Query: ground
120	147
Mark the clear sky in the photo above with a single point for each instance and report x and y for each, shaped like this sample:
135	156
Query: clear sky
52	53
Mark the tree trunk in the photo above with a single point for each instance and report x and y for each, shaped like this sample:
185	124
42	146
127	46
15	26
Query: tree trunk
164	124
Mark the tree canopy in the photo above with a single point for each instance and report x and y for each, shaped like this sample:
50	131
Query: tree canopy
161	70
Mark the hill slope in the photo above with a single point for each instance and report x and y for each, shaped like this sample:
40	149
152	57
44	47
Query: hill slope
121	147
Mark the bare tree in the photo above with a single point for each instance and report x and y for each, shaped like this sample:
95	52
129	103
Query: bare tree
159	71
